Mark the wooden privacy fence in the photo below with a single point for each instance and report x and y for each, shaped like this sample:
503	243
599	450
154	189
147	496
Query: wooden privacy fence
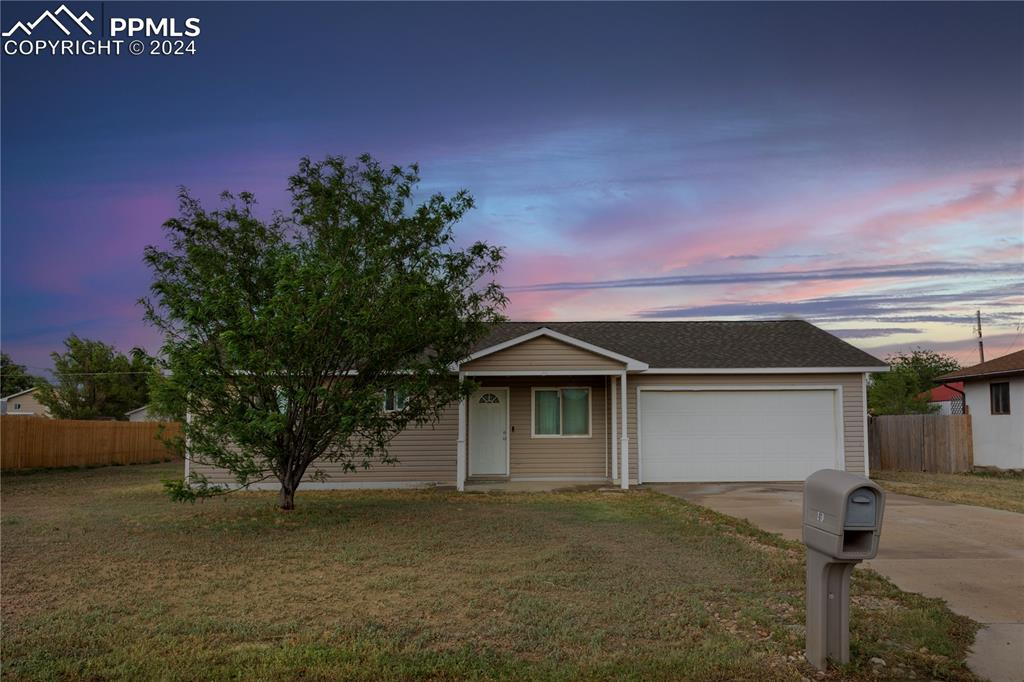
921	442
34	442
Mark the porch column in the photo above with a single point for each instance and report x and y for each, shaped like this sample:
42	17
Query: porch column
460	448
615	431
624	440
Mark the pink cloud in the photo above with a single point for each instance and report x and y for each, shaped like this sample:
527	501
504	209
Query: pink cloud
849	230
980	200
831	223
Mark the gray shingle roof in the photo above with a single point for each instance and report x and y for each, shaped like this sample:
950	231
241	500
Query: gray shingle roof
775	343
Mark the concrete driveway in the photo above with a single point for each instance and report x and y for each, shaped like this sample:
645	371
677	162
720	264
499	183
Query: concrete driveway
972	557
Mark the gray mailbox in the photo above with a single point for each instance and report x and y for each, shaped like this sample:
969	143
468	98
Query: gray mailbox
841	526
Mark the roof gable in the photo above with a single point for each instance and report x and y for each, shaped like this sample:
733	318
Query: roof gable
22	392
545	332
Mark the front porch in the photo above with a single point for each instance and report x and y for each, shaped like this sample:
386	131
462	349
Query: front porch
543	430
550	408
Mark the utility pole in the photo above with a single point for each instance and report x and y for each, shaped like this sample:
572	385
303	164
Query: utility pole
981	344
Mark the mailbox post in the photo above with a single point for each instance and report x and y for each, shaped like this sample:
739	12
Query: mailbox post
841	526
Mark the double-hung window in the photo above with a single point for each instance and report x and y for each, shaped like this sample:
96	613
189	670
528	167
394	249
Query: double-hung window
561	412
999	394
394	400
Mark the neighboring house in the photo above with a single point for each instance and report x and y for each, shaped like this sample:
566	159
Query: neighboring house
638	402
995	401
140	414
144	414
23	403
949	398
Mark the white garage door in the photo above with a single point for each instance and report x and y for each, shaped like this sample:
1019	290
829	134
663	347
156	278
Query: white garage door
761	435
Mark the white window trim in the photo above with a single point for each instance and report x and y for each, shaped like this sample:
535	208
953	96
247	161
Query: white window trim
533	412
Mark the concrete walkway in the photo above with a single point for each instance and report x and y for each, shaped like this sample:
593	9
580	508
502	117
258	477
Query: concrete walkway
972	557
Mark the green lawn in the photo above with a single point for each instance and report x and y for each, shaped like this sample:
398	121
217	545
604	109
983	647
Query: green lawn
995	490
103	578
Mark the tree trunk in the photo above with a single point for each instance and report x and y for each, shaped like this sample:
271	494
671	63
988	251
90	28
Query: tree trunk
290	479
286	498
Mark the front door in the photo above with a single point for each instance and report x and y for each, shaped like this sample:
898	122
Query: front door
488	432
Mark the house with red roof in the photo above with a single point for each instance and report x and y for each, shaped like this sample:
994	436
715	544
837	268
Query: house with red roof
949	398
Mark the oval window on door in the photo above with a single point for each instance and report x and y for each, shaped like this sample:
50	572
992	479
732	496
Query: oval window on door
489	399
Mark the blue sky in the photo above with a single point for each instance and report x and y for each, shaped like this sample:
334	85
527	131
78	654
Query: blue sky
858	165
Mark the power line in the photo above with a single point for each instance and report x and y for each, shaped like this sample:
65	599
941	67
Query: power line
1016	338
77	374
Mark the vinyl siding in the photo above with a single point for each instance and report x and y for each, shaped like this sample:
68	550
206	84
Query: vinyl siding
428	454
531	457
853	407
542	353
425	455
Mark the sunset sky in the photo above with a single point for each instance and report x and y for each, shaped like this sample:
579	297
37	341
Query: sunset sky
858	166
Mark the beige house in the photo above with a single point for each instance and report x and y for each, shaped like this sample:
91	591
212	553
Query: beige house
638	402
24	403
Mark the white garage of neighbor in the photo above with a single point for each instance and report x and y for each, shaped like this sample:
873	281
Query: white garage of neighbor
739	433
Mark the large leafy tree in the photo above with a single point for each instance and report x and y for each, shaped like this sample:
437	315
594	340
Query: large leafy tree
96	381
14	377
284	335
910	374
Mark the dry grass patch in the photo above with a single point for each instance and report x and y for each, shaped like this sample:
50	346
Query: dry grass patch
982	489
103	578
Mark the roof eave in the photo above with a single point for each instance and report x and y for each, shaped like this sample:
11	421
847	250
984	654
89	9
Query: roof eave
15	395
978	377
767	370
